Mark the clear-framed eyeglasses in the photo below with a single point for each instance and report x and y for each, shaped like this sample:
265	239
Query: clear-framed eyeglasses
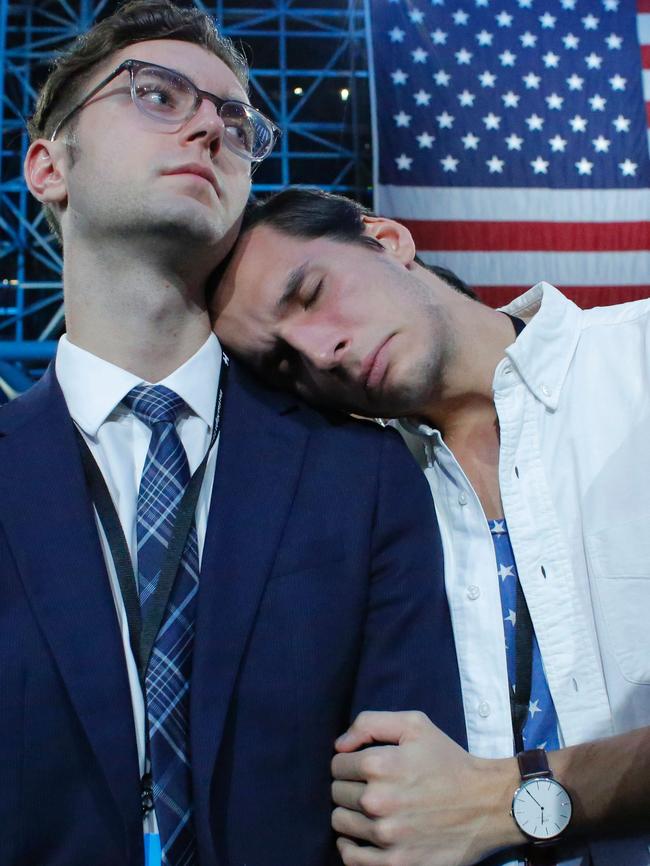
171	99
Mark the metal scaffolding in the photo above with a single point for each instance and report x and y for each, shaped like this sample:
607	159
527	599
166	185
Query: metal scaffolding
309	73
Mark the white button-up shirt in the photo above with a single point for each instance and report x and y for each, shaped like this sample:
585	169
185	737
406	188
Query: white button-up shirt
573	402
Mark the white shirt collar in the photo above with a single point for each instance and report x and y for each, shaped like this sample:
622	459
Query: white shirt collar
554	316
93	387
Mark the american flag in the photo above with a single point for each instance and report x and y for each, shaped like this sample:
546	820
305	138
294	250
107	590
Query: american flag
511	137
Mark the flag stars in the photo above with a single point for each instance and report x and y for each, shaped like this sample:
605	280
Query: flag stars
445	120
492	121
551	60
404	162
528	39
402	119
460	17
628	168
575	82
540	166
610	5
442	78
449	163
621	124
470	141
425	140
533	708
495	165
535	122
525	4
601	144
504	19
568	5
510	99
416	16
617	82
571	41
554	101
613	42
558	144
484	38
507	58
438	36
511	618
514	142
531	81
584	166
466	98
578	124
483	3
487	79
419	55
422	97
597	102
590	22
463	57
396	35
547	21
593	60
399	76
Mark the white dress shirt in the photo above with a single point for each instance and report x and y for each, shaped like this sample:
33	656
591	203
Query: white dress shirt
93	390
573	402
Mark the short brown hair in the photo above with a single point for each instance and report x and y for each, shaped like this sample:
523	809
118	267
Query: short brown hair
135	21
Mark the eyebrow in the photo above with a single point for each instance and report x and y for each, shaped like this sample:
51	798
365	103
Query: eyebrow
294	283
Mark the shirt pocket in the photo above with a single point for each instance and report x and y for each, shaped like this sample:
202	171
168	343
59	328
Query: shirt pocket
618	558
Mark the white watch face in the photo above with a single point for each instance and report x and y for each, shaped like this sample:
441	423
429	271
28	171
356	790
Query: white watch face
541	808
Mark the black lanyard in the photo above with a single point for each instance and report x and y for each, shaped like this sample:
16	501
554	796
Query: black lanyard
142	634
520	698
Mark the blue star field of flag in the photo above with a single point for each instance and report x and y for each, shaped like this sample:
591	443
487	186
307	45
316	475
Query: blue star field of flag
509	94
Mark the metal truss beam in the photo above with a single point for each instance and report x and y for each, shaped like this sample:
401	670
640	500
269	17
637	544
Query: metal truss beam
309	73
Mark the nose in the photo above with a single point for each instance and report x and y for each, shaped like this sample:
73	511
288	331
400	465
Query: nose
205	126
322	346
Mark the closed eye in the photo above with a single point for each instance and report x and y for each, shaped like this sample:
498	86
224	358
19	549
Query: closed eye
313	295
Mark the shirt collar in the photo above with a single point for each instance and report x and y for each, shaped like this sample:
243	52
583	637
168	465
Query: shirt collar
93	387
543	351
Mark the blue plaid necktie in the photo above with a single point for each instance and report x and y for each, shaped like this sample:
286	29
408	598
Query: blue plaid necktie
164	479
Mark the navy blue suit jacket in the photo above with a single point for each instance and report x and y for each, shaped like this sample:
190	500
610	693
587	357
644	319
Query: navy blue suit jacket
321	594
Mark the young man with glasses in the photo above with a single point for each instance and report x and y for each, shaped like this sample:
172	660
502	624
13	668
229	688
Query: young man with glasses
201	580
533	429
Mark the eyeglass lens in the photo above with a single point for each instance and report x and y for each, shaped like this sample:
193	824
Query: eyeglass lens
170	98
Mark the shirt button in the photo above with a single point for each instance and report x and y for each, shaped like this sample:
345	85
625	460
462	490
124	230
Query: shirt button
546	391
484	709
462	498
473	592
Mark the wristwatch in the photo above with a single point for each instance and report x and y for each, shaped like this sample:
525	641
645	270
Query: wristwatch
541	806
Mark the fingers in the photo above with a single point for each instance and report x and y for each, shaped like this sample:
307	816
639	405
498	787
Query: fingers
375	763
356	855
379	727
348	794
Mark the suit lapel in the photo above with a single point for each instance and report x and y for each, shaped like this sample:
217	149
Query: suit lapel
261	450
48	518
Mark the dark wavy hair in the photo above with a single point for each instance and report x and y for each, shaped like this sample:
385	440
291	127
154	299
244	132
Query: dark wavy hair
313	213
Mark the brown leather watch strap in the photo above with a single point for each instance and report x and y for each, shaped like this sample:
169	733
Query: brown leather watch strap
532	763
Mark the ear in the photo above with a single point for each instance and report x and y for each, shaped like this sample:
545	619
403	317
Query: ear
393	236
44	172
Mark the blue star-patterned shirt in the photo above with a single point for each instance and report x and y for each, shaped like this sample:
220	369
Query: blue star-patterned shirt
540	729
